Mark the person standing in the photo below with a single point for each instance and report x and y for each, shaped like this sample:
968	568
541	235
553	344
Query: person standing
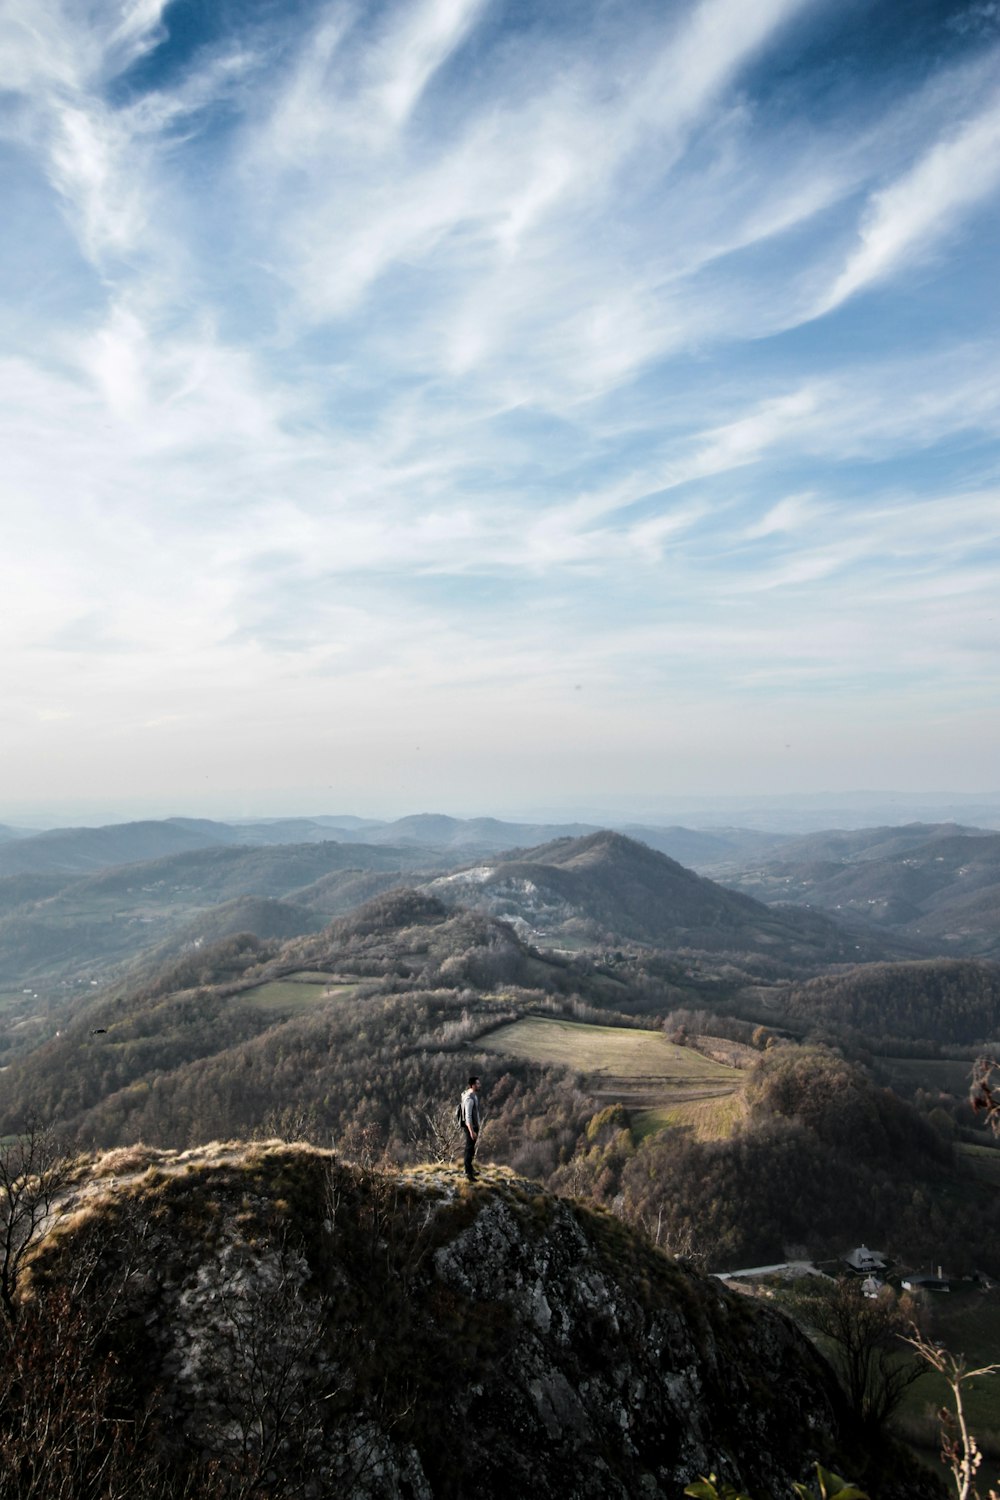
471	1125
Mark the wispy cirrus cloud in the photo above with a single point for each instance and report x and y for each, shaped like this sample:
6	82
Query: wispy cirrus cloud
451	351
913	214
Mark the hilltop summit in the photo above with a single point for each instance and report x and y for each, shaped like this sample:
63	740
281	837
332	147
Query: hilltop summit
275	1311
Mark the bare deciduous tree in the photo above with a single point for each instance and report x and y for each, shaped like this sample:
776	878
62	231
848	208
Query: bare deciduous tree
33	1171
866	1335
69	1429
435	1133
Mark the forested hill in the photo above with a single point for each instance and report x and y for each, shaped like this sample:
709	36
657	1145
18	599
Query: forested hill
861	845
361	1035
119	1067
948	1001
82	850
609	888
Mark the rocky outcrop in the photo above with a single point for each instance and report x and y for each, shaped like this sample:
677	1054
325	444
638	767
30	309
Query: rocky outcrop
383	1334
622	1369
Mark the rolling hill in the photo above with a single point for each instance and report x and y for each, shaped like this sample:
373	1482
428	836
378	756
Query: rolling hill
7	833
78	851
55	927
710	849
59	929
361	1034
200	1006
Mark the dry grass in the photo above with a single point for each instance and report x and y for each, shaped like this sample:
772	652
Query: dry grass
124	1161
640	1069
611	1051
288	997
713	1119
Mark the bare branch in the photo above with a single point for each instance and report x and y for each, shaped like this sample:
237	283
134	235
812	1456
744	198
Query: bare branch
984	1093
433	1132
33	1172
959	1449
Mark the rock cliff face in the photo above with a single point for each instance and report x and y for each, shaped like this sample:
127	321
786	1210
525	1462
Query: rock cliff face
346	1332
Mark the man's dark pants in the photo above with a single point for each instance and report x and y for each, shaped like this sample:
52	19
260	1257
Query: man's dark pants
470	1151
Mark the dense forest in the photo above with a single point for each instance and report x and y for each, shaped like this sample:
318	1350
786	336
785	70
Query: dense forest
826	1157
948	1001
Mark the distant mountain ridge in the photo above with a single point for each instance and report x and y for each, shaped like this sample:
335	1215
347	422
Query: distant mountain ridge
7	833
82	851
62	925
936	883
78	904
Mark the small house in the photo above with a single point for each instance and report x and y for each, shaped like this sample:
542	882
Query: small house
864	1262
937	1283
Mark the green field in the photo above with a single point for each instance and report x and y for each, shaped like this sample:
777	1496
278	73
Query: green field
289	997
967	1322
665	1084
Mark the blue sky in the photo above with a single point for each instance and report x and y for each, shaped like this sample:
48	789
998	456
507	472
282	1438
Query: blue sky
473	405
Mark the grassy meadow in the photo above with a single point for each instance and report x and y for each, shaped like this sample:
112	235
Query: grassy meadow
664	1084
296	993
712	1119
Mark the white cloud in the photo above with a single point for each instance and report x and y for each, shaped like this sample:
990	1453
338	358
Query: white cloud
790	515
716	40
416	46
392	383
499	209
925	205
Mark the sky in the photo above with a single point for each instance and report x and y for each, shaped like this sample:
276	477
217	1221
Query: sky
474	405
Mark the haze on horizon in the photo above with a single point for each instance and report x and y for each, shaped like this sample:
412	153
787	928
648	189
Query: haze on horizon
465	405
